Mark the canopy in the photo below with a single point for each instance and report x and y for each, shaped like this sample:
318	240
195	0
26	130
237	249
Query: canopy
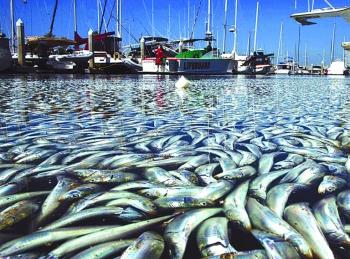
49	41
303	18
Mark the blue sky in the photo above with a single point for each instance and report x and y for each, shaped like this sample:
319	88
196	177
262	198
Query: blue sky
36	15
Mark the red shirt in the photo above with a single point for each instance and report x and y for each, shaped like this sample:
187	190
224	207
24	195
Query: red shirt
159	56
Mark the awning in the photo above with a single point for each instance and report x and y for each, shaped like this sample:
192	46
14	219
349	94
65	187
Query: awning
303	18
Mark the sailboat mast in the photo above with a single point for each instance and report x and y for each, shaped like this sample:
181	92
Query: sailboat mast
305	61
280	43
256	24
235	32
120	18
188	19
209	18
225	28
75	16
298	50
333	42
98	14
153	19
169	21
53	19
12	27
208	33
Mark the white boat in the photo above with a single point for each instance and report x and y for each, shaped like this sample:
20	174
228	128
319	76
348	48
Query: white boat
337	68
80	56
287	67
105	63
5	54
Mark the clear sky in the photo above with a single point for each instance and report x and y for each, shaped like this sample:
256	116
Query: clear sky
137	14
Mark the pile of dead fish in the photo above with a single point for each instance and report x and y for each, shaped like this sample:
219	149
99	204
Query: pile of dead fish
166	190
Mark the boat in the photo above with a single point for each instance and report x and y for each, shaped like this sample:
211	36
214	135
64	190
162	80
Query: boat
287	67
207	61
256	64
5	54
337	67
107	64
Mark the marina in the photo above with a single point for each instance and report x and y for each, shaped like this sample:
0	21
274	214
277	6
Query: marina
174	148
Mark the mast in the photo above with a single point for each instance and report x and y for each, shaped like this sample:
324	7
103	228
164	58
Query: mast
333	42
120	18
280	43
208	33
98	15
305	61
298	50
235	32
12	27
188	19
225	28
248	44
152	19
75	16
169	21
256	24
53	19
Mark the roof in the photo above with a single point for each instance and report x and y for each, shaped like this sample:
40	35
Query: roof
303	18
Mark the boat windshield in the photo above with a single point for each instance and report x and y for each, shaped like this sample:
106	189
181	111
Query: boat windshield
214	54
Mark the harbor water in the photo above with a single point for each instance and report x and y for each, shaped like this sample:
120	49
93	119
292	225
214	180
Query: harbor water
105	132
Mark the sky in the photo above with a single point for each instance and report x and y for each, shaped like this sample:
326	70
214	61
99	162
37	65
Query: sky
136	20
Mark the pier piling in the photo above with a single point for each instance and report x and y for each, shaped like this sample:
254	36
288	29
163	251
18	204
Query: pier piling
91	47
21	43
142	47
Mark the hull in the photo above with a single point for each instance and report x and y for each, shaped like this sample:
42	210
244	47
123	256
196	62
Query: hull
192	66
5	55
122	67
283	71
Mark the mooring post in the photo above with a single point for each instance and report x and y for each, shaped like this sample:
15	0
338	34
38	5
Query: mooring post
91	47
181	45
21	52
142	47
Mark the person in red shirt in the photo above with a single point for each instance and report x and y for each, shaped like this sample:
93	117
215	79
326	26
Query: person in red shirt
159	57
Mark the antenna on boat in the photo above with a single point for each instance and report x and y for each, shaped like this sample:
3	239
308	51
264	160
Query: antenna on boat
256	24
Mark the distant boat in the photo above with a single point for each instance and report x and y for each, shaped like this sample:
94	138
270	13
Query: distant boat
256	64
5	54
286	67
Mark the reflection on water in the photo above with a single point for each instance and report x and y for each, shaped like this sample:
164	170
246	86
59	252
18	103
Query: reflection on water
227	99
